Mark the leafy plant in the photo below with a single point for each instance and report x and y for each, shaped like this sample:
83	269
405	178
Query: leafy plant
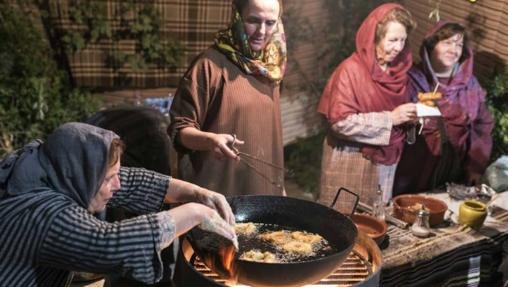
333	44
139	22
35	94
303	162
497	95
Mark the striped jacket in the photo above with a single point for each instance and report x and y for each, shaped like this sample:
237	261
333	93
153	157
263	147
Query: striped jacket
77	241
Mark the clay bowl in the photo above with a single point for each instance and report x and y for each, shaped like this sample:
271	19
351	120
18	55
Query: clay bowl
406	206
373	227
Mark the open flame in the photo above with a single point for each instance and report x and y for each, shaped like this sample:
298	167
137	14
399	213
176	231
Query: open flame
223	262
227	255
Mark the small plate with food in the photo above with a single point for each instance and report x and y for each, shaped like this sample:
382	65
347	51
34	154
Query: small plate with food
426	106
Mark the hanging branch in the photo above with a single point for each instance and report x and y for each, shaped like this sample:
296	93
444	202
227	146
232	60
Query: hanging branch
435	12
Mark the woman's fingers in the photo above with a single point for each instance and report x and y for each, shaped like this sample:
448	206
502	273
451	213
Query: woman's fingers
216	224
227	151
230	146
404	113
225	146
224	208
218	154
217	202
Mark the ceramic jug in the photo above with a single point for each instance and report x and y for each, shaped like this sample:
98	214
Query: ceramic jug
472	213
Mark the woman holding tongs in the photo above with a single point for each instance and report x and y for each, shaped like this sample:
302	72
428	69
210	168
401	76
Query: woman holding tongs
233	88
456	146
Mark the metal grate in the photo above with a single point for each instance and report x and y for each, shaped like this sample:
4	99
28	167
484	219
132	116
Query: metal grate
354	270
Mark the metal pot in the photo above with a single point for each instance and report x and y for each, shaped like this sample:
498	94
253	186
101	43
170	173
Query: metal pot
335	227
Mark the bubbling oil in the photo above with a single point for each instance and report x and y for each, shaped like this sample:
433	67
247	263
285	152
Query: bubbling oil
259	242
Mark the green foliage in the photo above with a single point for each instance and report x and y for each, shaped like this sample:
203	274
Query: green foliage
334	44
139	22
497	100
35	95
90	15
303	162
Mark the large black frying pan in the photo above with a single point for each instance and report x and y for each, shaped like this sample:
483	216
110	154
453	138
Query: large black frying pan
335	227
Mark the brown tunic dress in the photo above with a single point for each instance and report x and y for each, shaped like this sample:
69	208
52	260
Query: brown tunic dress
217	96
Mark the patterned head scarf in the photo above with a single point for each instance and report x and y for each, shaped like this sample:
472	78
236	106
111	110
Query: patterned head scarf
269	63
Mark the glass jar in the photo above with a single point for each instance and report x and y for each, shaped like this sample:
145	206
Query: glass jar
420	227
379	205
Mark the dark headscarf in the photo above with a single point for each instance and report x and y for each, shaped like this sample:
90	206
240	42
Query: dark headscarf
359	85
72	162
41	179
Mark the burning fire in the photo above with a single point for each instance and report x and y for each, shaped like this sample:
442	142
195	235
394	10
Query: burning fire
227	256
224	263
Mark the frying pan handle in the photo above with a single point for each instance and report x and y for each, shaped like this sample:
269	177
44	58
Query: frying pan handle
357	198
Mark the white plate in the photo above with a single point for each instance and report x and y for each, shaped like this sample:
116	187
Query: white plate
426	111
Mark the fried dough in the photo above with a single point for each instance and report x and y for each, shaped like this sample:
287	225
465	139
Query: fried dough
429	98
258	256
246	228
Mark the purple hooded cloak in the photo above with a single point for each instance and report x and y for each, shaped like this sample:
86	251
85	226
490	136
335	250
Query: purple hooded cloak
452	146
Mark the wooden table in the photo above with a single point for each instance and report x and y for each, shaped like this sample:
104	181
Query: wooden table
454	256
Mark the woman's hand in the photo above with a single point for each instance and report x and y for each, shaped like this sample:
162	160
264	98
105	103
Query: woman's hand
182	191
189	215
403	114
221	145
217	202
214	223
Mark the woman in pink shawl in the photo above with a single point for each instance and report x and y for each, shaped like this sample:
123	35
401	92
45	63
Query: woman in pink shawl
455	147
367	104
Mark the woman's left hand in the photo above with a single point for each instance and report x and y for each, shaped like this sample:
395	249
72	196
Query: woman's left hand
216	201
182	191
403	114
216	224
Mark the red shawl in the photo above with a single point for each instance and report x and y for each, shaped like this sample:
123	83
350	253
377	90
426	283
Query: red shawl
358	85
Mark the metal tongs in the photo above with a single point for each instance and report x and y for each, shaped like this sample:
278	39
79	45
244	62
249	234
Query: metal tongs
358	205
256	170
